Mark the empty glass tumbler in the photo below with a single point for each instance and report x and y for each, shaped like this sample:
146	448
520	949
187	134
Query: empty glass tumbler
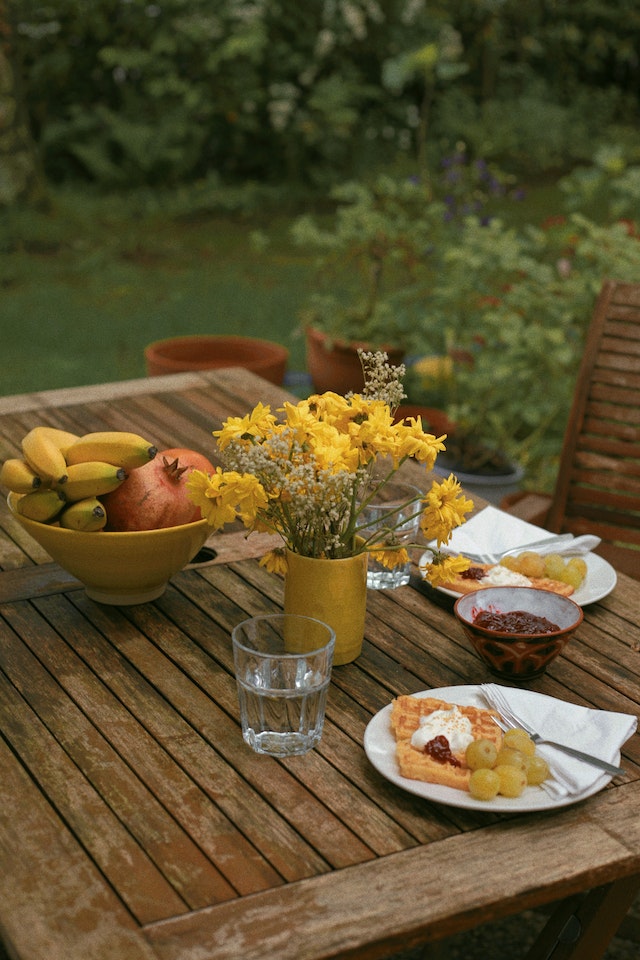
393	516
283	668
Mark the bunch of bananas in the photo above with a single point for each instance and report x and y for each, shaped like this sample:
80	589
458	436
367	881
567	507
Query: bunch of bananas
60	475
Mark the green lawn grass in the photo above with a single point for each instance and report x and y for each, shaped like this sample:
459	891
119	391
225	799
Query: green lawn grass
86	285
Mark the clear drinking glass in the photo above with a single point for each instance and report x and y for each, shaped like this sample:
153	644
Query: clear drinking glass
283	668
394	522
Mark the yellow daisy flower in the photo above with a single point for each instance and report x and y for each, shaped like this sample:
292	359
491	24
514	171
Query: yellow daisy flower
446	506
275	561
443	569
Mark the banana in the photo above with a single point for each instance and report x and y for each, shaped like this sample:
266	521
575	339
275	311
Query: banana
119	448
90	479
62	438
17	475
43	456
87	515
42	505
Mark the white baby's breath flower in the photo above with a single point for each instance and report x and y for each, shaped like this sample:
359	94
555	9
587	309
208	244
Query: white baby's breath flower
308	475
383	380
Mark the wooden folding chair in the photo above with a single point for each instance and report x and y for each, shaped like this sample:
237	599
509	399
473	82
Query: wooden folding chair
598	485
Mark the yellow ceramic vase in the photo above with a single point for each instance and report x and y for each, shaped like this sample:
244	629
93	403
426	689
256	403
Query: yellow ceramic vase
334	591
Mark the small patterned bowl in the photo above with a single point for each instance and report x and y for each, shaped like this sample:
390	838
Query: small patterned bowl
518	654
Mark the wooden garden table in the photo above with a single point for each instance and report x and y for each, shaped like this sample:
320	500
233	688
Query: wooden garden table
135	823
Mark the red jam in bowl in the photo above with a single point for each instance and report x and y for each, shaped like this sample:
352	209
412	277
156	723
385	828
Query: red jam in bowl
515	621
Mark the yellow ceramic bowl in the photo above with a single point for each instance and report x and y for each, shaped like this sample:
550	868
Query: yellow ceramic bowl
120	568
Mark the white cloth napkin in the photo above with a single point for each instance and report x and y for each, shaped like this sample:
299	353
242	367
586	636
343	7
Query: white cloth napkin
598	732
494	531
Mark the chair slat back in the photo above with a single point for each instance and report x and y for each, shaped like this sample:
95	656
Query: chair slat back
598	485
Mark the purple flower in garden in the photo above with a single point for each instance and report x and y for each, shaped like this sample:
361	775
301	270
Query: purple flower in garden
468	185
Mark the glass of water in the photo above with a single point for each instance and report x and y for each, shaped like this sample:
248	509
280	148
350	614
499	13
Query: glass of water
283	668
393	516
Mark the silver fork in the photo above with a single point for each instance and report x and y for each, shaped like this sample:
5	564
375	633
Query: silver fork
561	540
511	720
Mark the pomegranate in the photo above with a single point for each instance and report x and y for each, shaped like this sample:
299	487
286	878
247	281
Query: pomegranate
155	494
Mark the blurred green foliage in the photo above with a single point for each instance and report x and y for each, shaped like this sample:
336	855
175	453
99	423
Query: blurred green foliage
431	268
132	92
181	137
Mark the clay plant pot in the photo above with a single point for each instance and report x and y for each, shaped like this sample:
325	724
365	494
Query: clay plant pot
433	420
334	364
200	352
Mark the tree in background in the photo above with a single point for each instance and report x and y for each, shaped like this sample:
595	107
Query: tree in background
20	174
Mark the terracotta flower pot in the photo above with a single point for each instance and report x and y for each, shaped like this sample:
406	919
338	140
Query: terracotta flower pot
334	364
196	352
433	420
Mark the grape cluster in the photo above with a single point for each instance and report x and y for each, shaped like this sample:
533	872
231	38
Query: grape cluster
571	570
505	771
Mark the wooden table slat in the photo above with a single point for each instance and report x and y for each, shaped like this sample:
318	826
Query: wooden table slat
455	884
136	824
55	903
96	791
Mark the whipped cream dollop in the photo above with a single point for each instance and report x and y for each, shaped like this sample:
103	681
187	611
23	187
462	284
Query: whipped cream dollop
446	723
500	576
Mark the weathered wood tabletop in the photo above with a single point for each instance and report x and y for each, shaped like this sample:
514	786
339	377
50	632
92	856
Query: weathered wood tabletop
134	821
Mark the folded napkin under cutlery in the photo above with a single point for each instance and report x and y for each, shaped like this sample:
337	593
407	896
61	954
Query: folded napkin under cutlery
568	546
492	532
598	732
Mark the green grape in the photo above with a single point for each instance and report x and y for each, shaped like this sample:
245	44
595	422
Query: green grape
520	740
531	564
484	784
575	572
513	779
537	770
512	758
481	754
554	566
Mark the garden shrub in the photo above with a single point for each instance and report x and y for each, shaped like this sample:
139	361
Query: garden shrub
129	92
518	303
133	92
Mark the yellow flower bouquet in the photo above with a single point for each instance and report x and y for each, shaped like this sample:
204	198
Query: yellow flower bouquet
308	474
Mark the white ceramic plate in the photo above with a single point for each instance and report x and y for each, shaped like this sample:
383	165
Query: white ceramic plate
380	748
600	580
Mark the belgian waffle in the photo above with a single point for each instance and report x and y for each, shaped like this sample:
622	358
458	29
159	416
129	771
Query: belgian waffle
416	764
462	584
